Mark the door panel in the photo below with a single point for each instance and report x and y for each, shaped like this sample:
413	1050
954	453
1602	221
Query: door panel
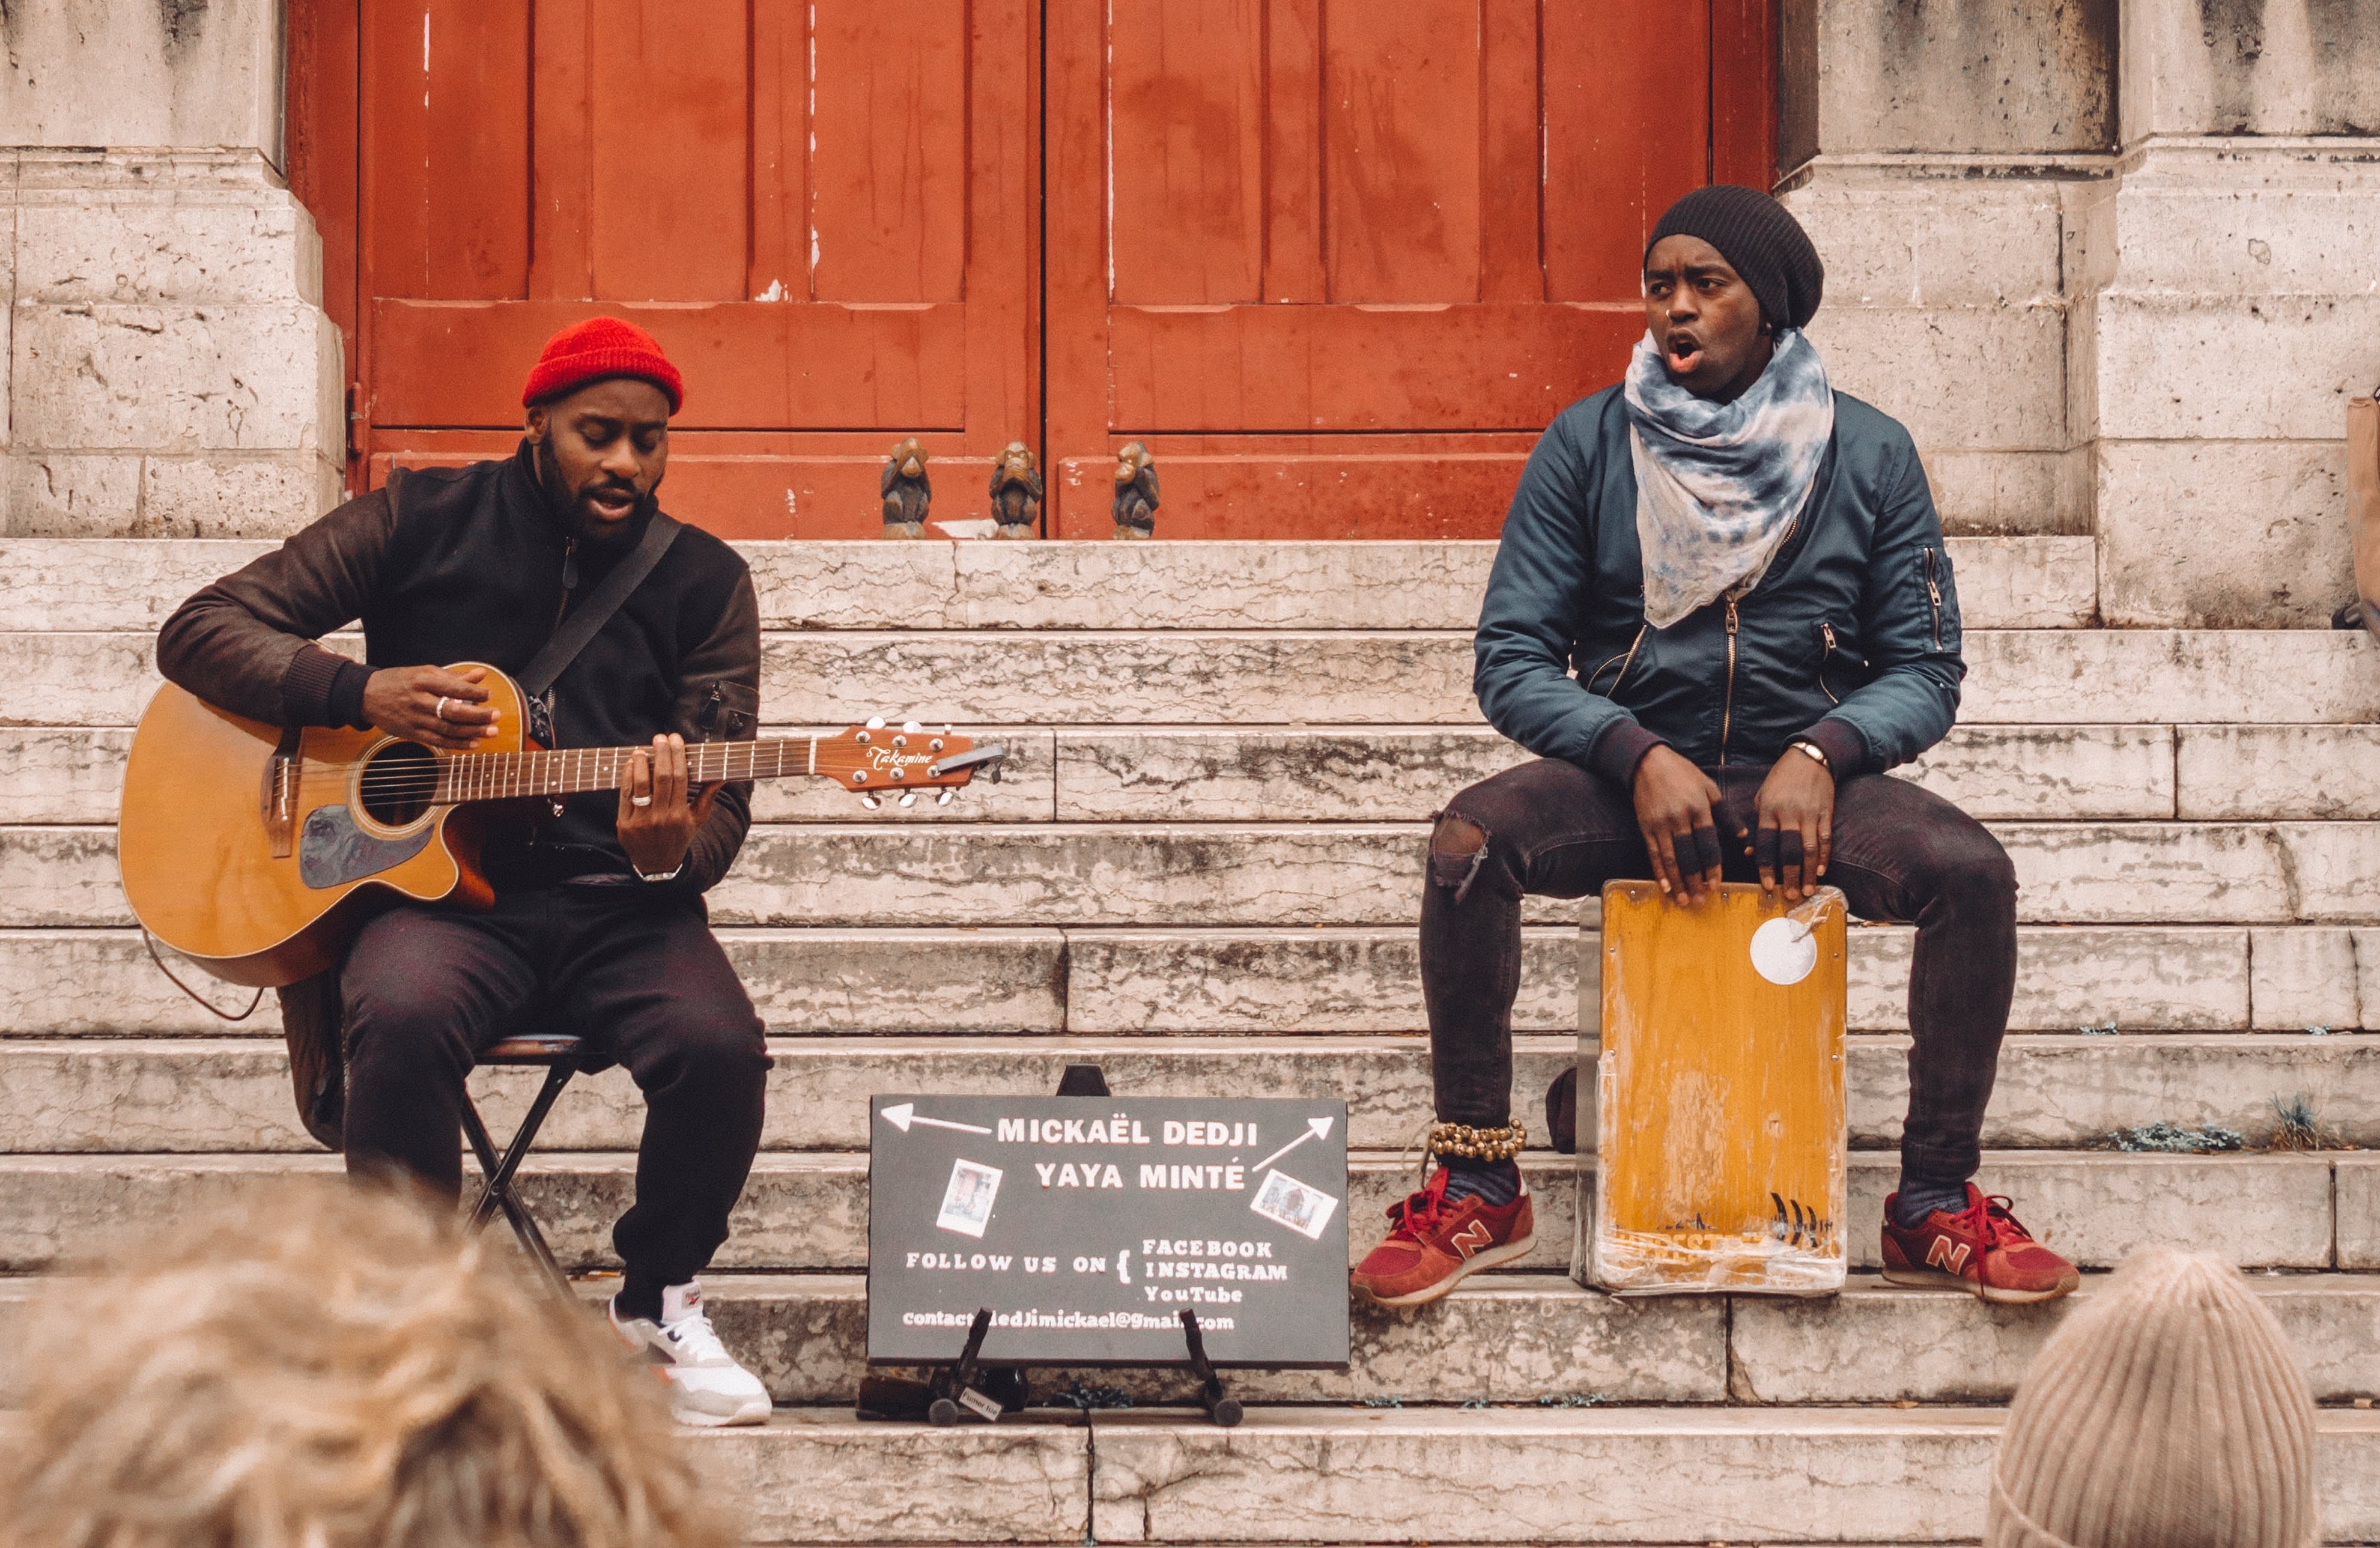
828	215
1343	244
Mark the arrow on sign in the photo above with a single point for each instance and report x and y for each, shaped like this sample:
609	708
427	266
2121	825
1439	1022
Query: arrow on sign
902	1113
1316	1129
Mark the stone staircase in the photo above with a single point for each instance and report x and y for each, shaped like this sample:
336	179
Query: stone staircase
1202	874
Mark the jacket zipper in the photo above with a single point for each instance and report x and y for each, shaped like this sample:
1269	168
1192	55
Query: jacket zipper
1827	633
1933	593
1727	713
569	579
1626	660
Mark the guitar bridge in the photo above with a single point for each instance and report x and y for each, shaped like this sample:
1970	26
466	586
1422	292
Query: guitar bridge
278	799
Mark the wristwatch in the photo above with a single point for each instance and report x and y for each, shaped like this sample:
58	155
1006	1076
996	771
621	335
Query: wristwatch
1805	745
670	874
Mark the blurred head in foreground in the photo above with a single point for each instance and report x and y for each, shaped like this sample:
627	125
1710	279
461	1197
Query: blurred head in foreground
334	1367
2168	1412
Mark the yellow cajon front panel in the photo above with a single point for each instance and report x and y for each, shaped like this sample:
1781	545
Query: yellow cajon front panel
1719	1096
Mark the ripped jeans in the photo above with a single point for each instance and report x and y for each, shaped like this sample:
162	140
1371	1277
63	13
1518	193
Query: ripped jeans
1901	853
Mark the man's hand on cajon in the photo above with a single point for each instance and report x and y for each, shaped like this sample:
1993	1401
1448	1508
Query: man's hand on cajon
1673	811
1794	825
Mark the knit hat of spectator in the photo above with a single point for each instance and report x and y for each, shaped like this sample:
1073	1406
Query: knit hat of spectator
2168	1412
597	350
1761	241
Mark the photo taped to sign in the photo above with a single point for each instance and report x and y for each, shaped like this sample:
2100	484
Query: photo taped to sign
1303	1210
966	1202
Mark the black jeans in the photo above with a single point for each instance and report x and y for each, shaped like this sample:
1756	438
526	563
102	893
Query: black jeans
637	973
1899	853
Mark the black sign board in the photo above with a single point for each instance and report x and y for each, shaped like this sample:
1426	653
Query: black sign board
1088	1224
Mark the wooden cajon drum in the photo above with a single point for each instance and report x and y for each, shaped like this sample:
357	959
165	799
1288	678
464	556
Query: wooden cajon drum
1718	1095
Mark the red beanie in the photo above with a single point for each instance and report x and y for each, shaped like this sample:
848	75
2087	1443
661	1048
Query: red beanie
598	348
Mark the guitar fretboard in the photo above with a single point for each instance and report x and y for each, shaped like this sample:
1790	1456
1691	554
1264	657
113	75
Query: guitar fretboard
569	770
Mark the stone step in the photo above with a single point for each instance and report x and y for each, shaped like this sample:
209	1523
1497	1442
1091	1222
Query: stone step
208	1094
1593	1475
1334	978
808	1209
1351	677
1515	1339
67	774
1299	874
133	583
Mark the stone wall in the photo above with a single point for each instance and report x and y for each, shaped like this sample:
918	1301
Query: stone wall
2115	265
169	367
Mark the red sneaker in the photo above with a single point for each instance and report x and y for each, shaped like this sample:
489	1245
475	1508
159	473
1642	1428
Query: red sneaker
1980	1247
1434	1244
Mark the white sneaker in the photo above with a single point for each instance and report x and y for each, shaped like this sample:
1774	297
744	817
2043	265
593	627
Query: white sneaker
705	1384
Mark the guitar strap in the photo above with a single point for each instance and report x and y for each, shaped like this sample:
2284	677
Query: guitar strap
594	612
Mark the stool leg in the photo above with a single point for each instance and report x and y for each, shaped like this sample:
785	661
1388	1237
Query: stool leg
498	1191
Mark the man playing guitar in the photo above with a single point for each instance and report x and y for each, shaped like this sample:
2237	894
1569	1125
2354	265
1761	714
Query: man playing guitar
598	920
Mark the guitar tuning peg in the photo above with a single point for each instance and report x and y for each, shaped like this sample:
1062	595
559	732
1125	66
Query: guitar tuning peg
870	802
909	799
912	727
946	798
876	722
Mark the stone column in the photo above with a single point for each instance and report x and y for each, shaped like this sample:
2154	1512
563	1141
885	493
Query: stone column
2240	253
169	367
1942	156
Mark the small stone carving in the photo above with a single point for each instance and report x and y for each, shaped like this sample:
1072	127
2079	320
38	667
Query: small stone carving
1136	496
908	493
1016	491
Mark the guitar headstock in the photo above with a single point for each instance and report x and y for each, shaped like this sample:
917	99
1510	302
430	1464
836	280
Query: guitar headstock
878	759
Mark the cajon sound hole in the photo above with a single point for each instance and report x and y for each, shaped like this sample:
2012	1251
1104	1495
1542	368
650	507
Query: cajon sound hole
397	783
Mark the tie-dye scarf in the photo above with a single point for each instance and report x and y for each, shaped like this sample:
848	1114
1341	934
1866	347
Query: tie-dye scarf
1718	484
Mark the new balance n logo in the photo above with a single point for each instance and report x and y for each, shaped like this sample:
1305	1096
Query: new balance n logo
1947	1256
1471	1238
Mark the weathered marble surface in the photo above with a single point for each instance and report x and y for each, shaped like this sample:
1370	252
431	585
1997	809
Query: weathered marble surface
2006	583
232	1094
2225	773
1877	1344
1163	874
1580	1475
2044	677
2359	1212
808	1209
819	1475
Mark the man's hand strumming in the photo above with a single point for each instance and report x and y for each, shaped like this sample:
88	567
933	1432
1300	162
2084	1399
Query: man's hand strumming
1673	812
1796	821
432	706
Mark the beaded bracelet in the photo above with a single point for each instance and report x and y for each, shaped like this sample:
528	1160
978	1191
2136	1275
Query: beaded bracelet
1479	1144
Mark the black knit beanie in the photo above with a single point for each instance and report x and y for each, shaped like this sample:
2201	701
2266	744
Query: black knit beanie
1761	240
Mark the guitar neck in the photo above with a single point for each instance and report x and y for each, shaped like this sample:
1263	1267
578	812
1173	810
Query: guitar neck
570	770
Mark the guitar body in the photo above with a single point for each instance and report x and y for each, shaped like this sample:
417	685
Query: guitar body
257	852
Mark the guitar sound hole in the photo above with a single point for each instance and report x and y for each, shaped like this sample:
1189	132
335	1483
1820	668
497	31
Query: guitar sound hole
397	784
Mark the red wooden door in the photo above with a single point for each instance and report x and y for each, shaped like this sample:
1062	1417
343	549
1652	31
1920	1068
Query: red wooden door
826	212
1339	264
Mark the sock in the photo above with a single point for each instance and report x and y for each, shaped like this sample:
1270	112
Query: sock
1919	1198
1491	1182
639	1297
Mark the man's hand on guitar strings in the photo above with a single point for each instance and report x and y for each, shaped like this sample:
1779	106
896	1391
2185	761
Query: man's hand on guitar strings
432	706
658	817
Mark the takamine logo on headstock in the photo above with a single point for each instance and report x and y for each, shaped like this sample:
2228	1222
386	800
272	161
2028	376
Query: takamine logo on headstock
878	759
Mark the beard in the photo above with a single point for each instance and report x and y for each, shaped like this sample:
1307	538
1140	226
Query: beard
572	514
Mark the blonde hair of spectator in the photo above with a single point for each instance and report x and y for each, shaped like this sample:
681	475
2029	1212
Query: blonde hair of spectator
326	1366
2168	1411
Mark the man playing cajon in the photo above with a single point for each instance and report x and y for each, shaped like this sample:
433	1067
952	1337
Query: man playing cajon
1746	571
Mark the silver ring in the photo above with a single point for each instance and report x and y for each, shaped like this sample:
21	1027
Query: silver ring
442	706
641	801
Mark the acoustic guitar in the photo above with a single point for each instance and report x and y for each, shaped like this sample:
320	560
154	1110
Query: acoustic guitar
255	851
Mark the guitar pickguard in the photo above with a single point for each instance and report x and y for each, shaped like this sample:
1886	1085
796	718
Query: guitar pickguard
333	851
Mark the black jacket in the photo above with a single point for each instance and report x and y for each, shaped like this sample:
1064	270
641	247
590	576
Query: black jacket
468	564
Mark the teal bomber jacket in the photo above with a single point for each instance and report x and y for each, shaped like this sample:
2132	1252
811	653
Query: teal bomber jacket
1852	638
